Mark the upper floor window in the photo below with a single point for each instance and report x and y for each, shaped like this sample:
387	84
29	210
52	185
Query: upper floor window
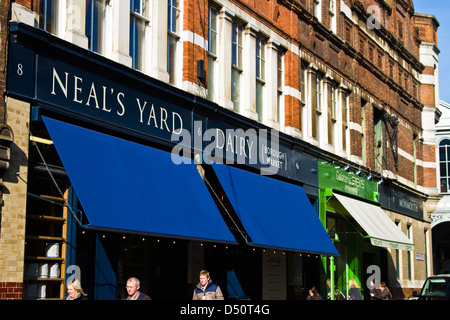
138	23
48	17
96	25
236	64
444	165
332	10
260	75
280	76
331	111
212	50
316	103
317	9
303	93
345	121
174	29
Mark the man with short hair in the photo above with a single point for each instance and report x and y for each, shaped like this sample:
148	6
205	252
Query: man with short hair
206	289
133	285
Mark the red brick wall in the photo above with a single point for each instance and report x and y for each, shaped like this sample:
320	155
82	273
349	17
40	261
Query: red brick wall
11	290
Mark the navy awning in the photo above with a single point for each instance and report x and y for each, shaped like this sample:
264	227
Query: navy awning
274	213
127	186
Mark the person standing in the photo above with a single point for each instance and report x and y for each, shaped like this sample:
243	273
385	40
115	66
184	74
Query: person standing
385	292
74	291
375	293
354	292
133	286
314	294
206	289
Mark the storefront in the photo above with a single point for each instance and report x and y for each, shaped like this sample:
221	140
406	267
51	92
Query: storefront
119	184
349	207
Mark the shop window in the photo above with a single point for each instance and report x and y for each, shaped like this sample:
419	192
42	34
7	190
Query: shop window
139	13
48	215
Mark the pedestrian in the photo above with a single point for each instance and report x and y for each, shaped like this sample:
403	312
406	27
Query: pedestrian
133	286
354	291
314	294
206	289
385	292
74	290
375	293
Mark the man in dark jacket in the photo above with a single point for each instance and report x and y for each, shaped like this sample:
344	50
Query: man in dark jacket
206	289
133	285
375	293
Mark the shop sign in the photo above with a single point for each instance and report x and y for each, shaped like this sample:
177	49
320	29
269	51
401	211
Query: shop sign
347	182
397	200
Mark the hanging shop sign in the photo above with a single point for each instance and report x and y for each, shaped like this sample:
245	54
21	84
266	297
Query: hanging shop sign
347	182
66	79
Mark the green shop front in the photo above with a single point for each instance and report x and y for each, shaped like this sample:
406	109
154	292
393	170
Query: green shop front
350	210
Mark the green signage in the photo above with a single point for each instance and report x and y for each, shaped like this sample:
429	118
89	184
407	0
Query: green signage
347	182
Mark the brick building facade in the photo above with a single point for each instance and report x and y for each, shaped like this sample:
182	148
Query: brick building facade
354	80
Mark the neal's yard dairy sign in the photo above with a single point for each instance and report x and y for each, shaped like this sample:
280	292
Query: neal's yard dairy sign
85	86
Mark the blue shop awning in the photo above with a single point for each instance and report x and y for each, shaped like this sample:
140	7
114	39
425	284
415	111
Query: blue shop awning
127	186
274	213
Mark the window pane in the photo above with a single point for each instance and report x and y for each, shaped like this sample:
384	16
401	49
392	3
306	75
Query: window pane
303	82
173	16
443	169
258	58
135	5
234	45
442	153
259	100
95	29
171	59
212	40
211	76
141	44
236	88
444	185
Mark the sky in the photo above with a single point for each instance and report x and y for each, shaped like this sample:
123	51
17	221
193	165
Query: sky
441	10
